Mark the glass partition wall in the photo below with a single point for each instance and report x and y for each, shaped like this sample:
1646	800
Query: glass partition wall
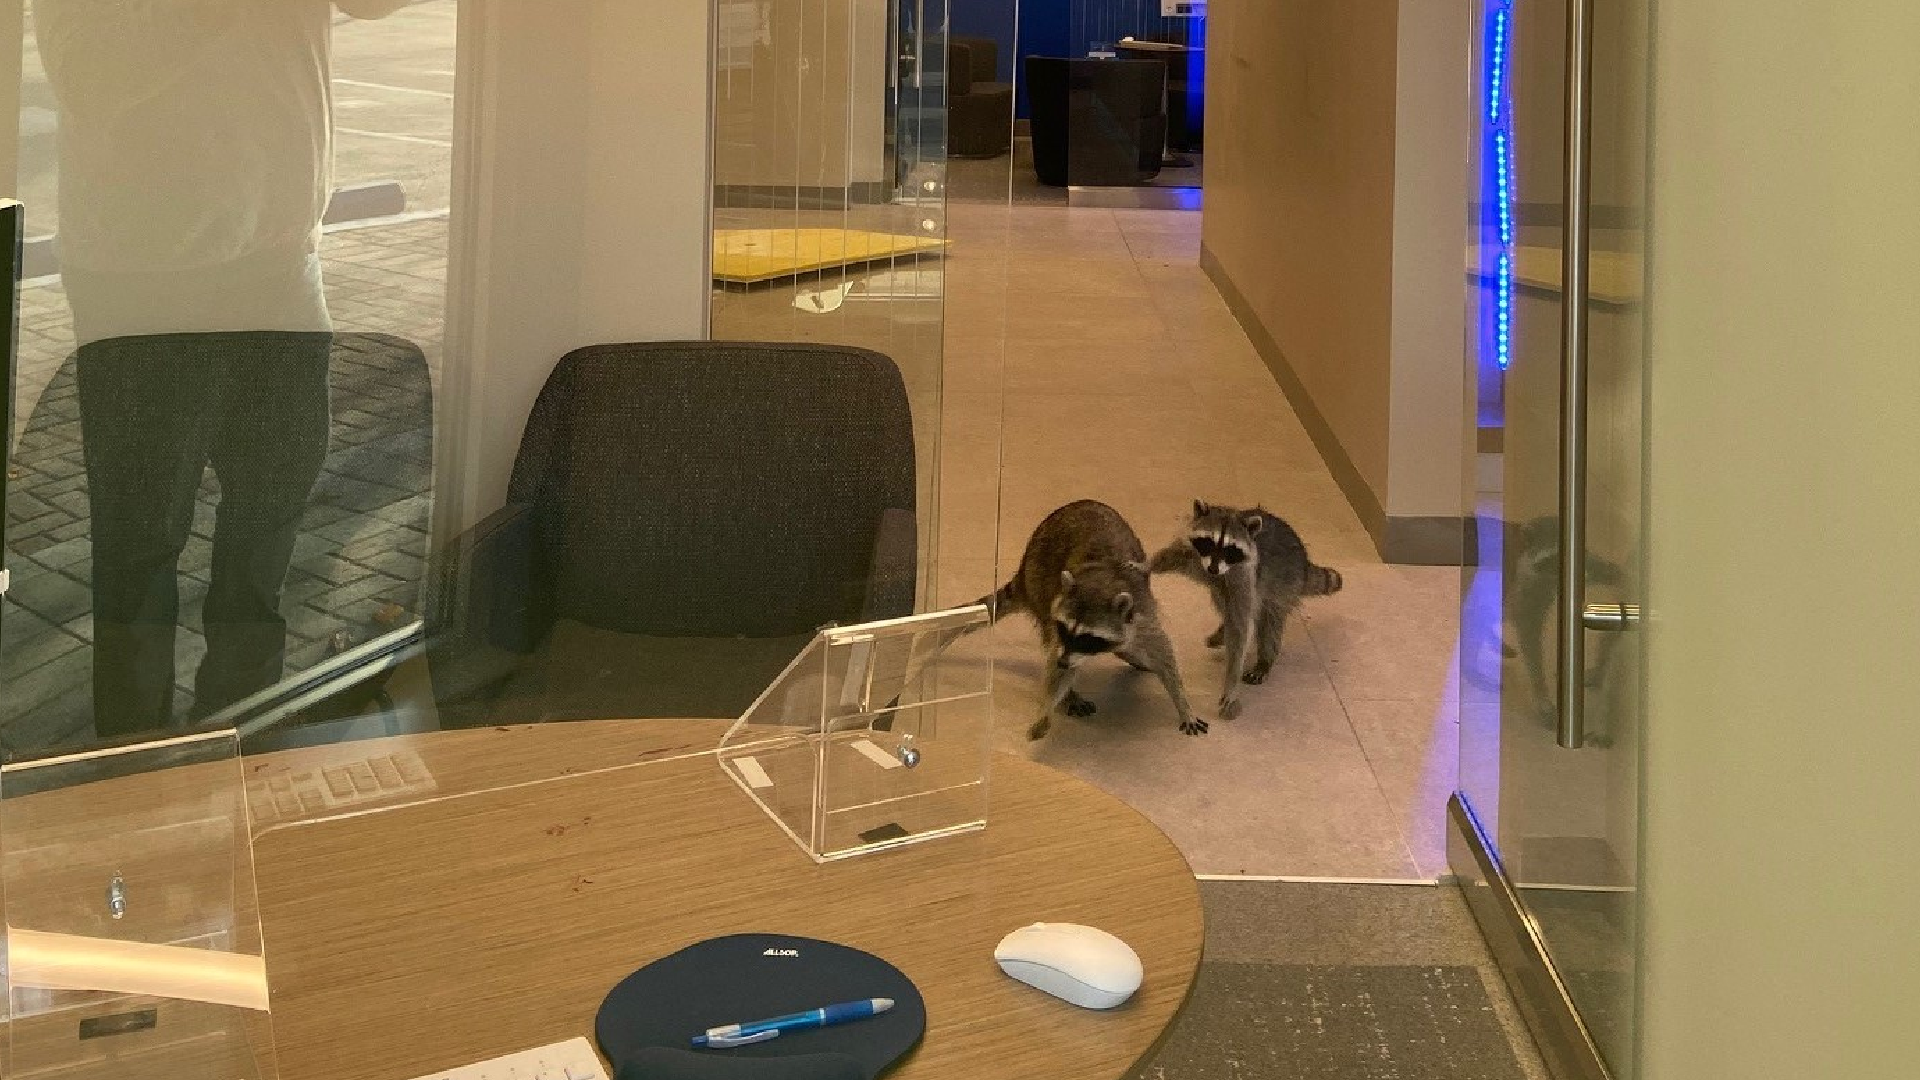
395	377
830	193
294	447
229	346
231	301
1547	813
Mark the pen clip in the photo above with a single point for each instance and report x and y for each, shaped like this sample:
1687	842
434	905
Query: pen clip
724	1042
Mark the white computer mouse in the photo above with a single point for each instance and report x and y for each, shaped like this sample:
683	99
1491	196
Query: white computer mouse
1081	964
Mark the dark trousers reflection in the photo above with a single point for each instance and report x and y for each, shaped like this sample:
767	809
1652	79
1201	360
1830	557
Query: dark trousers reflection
155	412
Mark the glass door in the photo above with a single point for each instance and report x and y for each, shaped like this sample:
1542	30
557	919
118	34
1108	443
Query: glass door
1548	809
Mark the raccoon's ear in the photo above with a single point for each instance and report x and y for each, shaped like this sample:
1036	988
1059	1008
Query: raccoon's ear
1123	603
1066	580
1199	509
1254	523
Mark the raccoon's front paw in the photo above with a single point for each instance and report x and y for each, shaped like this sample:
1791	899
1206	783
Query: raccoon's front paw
1229	708
1039	729
1078	706
1195	726
1258	675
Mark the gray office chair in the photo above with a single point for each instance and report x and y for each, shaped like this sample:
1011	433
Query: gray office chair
682	517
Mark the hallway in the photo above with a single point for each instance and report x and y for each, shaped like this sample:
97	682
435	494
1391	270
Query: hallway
1088	349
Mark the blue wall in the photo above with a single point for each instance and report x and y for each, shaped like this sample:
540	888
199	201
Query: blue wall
989	19
1045	30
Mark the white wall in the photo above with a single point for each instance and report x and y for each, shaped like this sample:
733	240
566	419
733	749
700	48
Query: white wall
804	102
581	208
1433	127
873	63
12	32
1336	219
1782	755
1299	207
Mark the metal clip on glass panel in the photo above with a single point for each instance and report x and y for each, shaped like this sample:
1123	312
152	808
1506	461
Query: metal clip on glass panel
1611	617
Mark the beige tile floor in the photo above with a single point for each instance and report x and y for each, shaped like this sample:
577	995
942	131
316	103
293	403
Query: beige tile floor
1087	356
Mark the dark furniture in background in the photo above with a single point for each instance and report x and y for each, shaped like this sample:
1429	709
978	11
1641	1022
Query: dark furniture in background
682	517
1186	78
979	108
1096	123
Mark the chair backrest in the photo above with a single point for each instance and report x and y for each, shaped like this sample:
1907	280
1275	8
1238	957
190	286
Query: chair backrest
959	68
1125	88
982	56
1095	121
704	489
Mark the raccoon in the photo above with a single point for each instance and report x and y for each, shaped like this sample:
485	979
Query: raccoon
1257	571
1532	565
1083	579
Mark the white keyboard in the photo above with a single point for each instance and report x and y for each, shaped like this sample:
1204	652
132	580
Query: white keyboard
570	1060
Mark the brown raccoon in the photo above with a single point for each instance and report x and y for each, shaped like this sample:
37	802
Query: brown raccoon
1084	579
1257	571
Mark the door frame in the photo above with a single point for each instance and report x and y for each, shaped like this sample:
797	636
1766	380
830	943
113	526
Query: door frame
1519	949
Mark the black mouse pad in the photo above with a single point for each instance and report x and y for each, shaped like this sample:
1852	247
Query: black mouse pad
646	1025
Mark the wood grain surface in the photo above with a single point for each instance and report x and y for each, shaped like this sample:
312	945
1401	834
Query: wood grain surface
496	916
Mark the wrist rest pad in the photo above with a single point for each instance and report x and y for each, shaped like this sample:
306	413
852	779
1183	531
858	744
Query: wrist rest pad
647	1021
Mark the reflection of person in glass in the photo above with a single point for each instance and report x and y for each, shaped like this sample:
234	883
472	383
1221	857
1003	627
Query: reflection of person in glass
195	167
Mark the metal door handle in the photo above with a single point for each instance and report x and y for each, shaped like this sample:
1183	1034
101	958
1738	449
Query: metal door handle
1610	616
1571	629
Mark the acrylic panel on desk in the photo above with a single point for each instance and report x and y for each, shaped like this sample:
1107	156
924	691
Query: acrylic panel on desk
875	736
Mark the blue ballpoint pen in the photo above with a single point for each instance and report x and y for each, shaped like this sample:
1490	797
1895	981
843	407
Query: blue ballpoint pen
755	1031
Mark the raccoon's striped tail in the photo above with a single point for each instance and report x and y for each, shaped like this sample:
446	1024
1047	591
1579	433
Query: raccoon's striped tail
1321	581
998	602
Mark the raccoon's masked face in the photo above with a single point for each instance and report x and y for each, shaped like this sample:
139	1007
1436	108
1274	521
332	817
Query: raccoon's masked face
1093	615
1223	537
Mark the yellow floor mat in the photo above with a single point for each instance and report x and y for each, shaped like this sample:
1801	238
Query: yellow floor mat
746	256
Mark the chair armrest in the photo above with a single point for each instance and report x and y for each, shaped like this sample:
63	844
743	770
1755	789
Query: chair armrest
485	616
487	593
891	573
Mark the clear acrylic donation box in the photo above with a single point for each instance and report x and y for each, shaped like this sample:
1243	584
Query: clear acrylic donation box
133	943
877	735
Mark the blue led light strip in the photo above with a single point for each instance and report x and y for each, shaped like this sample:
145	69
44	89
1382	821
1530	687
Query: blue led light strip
1500	137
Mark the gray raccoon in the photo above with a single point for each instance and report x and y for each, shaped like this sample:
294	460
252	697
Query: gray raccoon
1257	571
1083	579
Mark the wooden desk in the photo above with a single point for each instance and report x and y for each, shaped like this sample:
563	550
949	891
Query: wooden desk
452	931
